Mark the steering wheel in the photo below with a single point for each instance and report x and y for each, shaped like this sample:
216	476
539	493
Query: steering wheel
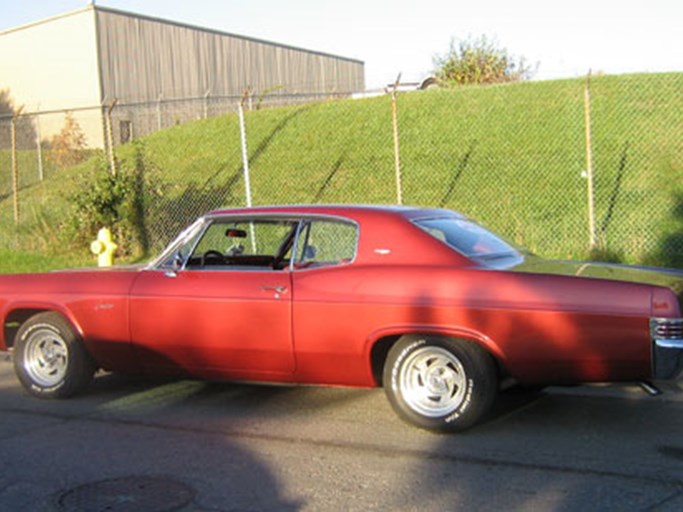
212	255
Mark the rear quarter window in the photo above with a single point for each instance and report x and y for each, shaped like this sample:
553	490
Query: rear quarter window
326	243
467	237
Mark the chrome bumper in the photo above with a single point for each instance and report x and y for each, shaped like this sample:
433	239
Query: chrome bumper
667	347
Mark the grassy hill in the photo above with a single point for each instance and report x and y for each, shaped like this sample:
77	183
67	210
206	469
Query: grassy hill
510	156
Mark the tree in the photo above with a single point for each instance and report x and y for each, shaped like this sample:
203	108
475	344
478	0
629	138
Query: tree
6	103
477	61
26	135
67	147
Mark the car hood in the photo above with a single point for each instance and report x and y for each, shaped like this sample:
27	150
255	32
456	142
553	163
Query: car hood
666	277
114	268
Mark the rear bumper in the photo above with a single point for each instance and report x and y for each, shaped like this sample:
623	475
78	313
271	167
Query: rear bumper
667	347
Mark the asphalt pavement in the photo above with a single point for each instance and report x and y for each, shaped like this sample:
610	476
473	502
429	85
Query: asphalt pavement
160	445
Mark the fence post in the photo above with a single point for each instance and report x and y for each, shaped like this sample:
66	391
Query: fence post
39	148
397	153
589	160
15	167
245	154
110	138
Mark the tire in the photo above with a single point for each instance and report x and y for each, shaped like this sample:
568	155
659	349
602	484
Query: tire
439	383
50	359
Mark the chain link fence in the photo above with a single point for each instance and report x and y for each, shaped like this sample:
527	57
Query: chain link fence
519	158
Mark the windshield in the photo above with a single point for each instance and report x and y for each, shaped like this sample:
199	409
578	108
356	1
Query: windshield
179	248
467	237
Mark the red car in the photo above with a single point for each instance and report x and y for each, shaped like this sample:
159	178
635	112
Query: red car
424	302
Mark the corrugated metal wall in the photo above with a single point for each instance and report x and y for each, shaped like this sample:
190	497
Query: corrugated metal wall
143	59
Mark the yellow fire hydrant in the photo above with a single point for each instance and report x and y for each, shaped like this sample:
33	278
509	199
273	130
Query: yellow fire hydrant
104	248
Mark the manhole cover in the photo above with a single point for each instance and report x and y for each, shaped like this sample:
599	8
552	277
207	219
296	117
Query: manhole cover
129	494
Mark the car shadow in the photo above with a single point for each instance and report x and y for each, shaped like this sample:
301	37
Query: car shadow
512	401
133	439
559	449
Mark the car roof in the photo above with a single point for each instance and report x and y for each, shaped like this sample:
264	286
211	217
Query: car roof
387	234
356	211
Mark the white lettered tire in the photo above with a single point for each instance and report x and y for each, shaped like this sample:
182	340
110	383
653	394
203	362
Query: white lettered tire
439	383
50	359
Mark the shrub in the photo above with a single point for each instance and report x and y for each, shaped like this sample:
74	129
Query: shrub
112	201
478	61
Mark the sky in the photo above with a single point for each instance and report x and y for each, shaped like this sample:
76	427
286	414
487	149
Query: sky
561	39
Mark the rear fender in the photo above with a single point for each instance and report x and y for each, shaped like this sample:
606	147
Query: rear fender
395	332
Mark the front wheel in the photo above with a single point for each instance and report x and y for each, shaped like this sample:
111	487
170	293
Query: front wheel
50	359
439	383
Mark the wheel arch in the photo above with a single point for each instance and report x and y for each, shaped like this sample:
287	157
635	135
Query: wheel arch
19	314
382	341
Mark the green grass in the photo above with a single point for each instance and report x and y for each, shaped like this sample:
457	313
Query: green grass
23	262
510	156
27	163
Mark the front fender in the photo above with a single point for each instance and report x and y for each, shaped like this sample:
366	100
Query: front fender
16	313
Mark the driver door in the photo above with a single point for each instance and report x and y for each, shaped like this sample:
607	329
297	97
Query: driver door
227	312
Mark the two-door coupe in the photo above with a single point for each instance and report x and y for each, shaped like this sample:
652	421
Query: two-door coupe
424	302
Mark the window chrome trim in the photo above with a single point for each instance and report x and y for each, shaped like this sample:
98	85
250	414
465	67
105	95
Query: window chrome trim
199	226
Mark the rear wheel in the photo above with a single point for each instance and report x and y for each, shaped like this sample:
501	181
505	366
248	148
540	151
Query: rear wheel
50	359
439	383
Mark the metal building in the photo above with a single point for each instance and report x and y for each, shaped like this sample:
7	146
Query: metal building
92	56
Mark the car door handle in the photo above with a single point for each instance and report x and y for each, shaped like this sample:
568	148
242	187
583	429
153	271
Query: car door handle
276	289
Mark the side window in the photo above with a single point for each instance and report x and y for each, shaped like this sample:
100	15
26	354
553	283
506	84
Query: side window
245	244
323	243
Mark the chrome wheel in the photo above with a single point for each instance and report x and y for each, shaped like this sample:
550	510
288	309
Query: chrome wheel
432	381
46	357
439	383
50	358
